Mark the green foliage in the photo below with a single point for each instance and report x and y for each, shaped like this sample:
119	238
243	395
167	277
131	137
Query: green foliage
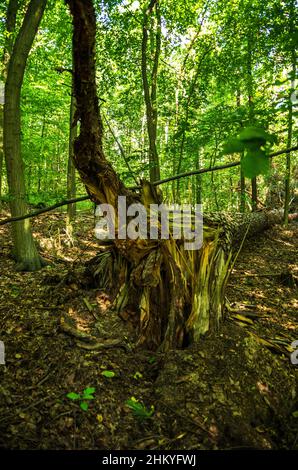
206	92
139	410
73	396
233	145
254	163
83	397
255	143
256	136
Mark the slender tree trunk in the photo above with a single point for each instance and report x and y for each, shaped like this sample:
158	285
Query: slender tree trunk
150	91
190	94
174	166
71	170
40	162
11	15
242	192
242	177
290	123
198	181
24	247
1	149
250	89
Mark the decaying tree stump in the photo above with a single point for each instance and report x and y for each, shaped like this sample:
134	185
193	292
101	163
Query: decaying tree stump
178	294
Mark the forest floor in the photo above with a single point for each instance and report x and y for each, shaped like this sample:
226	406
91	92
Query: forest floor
235	390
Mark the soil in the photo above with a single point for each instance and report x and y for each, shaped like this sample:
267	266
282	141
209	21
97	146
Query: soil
237	389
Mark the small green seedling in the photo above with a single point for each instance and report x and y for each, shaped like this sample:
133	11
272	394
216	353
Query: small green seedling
83	397
152	360
137	375
109	374
139	410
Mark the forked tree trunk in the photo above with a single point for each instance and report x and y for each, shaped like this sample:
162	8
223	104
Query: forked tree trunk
173	295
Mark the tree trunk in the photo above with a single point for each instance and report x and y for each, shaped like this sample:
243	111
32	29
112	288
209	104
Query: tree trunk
174	295
71	170
11	15
41	159
24	247
198	181
251	113
290	122
242	191
242	177
254	193
150	91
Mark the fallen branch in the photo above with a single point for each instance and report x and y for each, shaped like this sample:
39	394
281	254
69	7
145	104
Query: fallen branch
46	209
156	183
216	168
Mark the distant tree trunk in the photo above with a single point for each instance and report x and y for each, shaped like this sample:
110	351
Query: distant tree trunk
1	149
24	247
176	125
40	161
71	170
198	181
250	90
290	121
254	193
190	94
242	192
242	177
11	15
150	90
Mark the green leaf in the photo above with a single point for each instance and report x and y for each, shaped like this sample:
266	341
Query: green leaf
233	145
295	414
279	82
138	409
108	373
255	163
89	391
152	360
250	134
73	396
88	397
257	136
84	406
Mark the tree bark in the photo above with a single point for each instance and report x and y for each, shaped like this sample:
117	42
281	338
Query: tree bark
71	170
290	120
11	15
242	177
251	112
24	247
102	183
150	91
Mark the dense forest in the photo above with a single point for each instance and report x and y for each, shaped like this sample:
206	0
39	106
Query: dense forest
148	224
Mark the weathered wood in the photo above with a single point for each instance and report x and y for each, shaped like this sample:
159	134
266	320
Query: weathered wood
176	294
